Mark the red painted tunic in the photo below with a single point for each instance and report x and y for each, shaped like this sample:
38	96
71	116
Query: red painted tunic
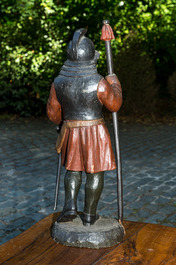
89	148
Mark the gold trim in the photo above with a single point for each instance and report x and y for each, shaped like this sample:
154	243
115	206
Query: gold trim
75	123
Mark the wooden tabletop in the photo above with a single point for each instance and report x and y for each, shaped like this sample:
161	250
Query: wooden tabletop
143	244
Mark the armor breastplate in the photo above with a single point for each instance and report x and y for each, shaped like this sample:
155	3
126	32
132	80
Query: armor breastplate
76	90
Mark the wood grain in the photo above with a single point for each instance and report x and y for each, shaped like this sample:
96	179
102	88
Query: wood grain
143	244
153	244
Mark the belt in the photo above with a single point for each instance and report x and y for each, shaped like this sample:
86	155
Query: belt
74	124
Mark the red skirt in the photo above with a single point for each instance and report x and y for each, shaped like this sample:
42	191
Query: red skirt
88	149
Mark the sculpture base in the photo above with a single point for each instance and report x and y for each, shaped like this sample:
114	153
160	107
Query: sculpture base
106	232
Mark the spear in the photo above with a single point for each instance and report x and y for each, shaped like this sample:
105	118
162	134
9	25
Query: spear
58	128
107	36
57	181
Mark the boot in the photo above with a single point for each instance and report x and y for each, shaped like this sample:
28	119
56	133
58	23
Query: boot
89	219
93	190
72	181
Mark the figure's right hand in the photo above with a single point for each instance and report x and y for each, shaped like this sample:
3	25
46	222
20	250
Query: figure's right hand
54	110
113	79
109	93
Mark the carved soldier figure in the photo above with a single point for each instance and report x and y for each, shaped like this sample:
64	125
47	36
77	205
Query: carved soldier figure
76	99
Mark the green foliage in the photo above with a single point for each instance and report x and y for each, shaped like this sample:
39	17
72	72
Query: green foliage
34	35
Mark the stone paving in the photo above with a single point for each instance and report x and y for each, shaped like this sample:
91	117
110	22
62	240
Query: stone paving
28	166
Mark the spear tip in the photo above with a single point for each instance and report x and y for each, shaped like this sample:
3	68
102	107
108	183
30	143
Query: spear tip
107	32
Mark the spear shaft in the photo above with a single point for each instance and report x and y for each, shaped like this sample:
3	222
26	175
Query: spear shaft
109	59
58	173
109	35
57	181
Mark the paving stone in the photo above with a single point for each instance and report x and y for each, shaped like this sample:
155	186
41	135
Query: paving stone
7	211
5	237
170	183
143	214
137	204
110	198
12	217
167	210
172	219
170	194
162	200
21	221
153	208
127	212
145	188
156	218
7	203
130	198
37	217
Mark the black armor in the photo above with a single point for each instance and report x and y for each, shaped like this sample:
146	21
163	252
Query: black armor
76	85
78	97
80	48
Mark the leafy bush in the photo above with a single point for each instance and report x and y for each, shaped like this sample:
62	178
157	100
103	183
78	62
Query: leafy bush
34	35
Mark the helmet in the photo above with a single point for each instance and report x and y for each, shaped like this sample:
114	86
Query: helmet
80	48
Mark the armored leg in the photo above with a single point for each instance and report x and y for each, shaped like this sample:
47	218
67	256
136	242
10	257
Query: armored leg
72	182
93	190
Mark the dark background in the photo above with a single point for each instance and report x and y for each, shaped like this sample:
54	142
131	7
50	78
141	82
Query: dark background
34	35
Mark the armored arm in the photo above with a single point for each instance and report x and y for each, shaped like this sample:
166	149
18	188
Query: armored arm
109	93
54	111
